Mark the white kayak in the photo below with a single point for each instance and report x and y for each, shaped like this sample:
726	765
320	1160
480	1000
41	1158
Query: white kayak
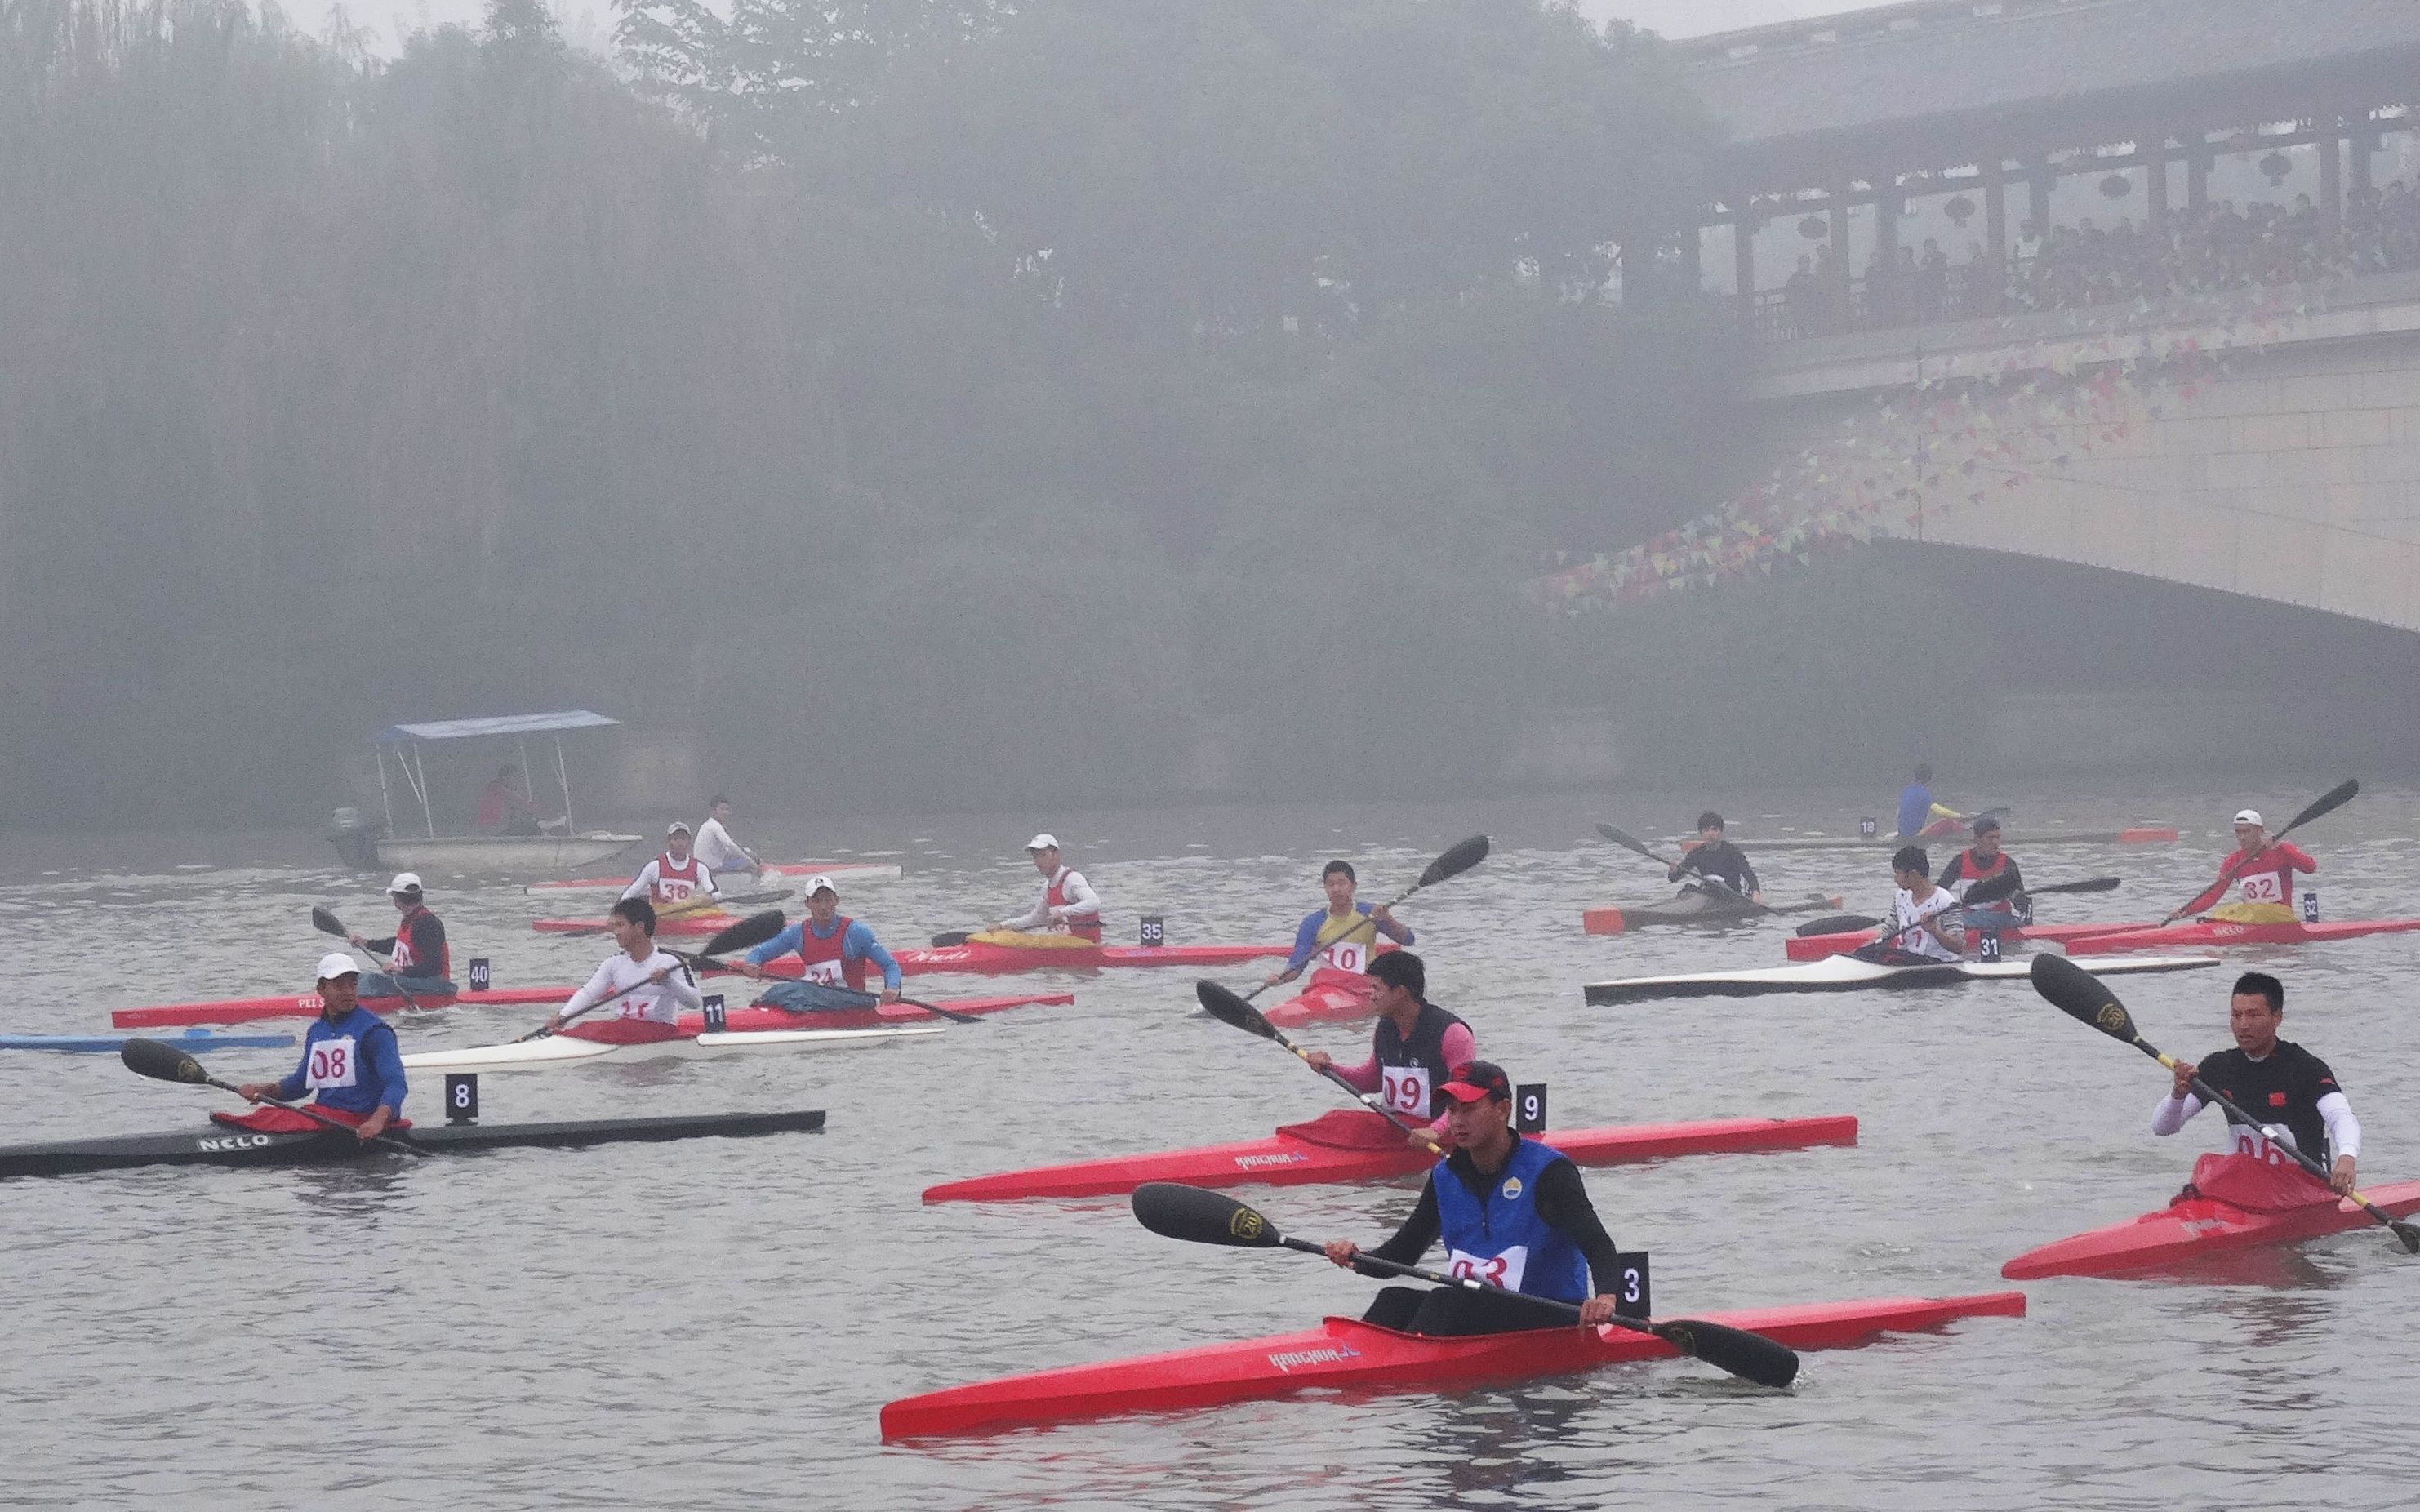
1847	974
559	1050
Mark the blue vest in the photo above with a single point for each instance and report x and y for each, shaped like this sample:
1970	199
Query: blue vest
1503	1228
354	1062
1915	808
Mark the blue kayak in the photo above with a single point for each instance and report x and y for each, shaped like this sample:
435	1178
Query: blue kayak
112	1044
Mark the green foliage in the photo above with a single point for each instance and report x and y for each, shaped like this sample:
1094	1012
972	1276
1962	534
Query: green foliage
926	403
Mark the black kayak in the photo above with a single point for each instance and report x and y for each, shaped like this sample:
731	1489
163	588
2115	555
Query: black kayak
218	1145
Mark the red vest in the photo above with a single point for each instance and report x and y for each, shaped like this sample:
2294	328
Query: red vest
1056	896
1970	870
814	953
667	872
408	965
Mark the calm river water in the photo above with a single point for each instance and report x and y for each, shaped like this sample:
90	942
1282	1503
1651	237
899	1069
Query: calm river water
716	1324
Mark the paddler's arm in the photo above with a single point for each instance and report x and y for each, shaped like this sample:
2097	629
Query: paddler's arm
2295	856
2177	1108
1306	944
1081	899
385	1059
1410	1243
681	983
286	1089
859	942
2344	1137
641	884
597	990
1033	918
1392	928
2235	862
706	880
1457	1047
751	966
1563	1204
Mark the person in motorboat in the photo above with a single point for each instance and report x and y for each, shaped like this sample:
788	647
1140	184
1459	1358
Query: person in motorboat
1337	936
663	982
1511	1212
716	850
1716	857
833	951
422	964
504	809
1920	928
352	1066
677	881
2262	873
1413	1050
2274	1079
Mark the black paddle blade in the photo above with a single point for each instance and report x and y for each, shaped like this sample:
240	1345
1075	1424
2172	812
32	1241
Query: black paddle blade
948	938
2088	884
2326	803
1990	889
752	930
1748	1356
1622	838
326	922
1454	862
2408	1235
2079	995
1837	924
162	1062
1227	1008
1175	1211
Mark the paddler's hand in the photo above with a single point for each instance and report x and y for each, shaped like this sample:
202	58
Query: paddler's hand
661	977
254	1091
1319	1059
2342	1181
375	1125
1756	897
1340	1252
1595	1311
1423	1136
890	995
358	943
2183	1087
554	1024
750	969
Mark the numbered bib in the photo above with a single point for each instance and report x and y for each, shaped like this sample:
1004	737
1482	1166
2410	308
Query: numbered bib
1348	955
1404	1089
1504	1269
332	1063
2250	1141
2263	889
822	973
674	890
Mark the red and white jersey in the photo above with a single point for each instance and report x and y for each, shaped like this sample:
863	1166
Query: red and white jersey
660	1002
665	880
2267	878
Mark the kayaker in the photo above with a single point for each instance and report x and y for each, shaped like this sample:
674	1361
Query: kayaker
1718	859
422	964
1068	902
1984	861
1336	935
1413	1050
351	1064
716	850
674	877
1512	1212
2262	871
663	982
833	949
1920	817
2272	1078
1921	910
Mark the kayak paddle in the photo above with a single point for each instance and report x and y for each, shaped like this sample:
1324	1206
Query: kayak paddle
2323	805
1843	923
325	920
742	935
2079	994
1227	1008
166	1063
827	996
1990	890
1174	1211
1632	843
1456	859
948	939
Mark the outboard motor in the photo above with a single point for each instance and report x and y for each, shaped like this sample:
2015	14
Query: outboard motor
355	839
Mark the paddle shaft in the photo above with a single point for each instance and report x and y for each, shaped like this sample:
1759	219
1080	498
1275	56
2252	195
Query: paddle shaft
1365	1098
2214	1097
320	1119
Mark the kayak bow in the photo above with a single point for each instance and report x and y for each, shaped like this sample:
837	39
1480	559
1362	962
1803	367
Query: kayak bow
2193	1228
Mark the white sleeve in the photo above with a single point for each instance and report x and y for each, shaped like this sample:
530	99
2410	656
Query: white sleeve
682	986
2174	1112
1081	899
642	885
1034	917
2344	1129
598	988
706	880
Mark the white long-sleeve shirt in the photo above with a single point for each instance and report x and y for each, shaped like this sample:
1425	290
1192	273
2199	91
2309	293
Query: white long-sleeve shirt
662	1002
717	849
2344	1129
1082	903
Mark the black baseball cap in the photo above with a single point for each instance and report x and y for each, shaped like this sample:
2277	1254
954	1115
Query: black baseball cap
1986	824
1476	1079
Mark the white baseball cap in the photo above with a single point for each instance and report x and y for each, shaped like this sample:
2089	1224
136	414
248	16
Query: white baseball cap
1044	841
820	882
337	964
2247	816
677	827
405	882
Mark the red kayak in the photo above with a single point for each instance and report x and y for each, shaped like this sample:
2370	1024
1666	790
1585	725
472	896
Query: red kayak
748	1020
2214	932
1361	1359
2276	1206
1816	946
1332	995
792	872
677	926
306	1005
992	960
1354	1144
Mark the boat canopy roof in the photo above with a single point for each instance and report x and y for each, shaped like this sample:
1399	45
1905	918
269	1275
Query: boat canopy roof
504	724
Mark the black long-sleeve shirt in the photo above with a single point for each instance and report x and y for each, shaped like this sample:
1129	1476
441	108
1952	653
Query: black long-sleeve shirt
1562	1202
428	945
1721	861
